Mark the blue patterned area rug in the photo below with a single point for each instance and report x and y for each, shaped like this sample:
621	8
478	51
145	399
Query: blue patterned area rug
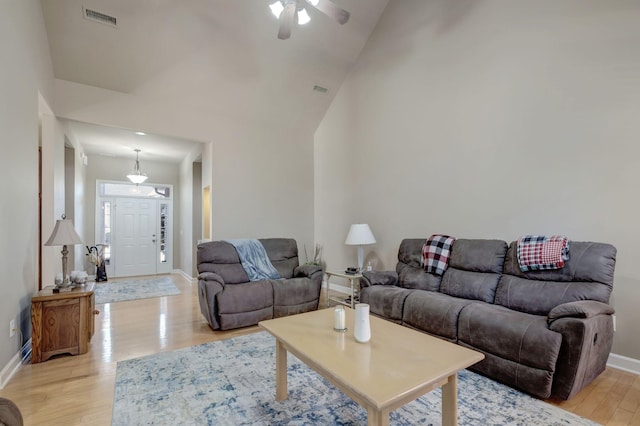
119	291
232	382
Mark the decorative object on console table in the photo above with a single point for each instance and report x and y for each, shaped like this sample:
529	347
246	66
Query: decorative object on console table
96	257
61	322
63	235
359	235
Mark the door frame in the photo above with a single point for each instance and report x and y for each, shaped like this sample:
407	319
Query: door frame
98	222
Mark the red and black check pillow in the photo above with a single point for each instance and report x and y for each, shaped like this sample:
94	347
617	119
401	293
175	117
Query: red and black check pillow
541	252
436	252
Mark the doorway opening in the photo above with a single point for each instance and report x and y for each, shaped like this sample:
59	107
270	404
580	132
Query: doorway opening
135	223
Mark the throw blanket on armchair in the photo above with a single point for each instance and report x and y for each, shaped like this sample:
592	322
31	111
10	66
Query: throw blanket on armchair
254	260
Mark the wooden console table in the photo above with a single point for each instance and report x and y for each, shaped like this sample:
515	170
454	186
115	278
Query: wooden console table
61	322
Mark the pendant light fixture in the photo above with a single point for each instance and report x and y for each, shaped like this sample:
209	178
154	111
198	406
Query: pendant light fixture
136	176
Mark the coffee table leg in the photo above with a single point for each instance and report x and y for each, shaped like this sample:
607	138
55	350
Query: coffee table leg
450	401
281	372
377	418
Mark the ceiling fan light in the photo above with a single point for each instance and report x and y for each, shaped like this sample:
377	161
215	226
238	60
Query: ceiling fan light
276	8
303	17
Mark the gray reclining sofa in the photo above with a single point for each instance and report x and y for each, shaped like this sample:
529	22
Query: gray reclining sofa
229	300
547	333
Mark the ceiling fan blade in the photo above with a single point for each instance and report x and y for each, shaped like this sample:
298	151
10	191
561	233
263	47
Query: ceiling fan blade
330	9
286	20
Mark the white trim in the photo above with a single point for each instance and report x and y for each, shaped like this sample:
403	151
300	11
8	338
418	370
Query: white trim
14	364
630	365
184	275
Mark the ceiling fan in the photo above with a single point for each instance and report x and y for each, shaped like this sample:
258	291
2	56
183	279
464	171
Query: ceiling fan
288	10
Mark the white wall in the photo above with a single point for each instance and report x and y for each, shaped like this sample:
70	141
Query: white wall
52	142
490	120
25	71
262	186
186	203
261	177
79	189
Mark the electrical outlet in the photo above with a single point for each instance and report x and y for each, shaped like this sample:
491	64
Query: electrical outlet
12	328
614	323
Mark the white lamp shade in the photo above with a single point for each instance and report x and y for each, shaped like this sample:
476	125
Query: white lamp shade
63	234
360	234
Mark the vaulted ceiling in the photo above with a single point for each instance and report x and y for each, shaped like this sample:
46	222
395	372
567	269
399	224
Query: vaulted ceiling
216	54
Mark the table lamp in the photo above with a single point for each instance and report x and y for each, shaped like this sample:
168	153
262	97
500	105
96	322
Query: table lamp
63	235
359	235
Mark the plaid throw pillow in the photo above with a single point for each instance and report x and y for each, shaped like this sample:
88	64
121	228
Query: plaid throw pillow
540	252
436	252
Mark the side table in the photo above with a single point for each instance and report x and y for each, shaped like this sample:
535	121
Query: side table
354	283
61	322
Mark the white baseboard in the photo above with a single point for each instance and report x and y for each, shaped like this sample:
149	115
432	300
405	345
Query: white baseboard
14	364
630	365
184	275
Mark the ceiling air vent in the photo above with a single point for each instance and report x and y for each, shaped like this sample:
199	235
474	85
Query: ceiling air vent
96	16
320	89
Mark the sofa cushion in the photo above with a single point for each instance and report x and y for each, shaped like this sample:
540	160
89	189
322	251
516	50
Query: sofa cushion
516	336
474	269
417	278
242	305
434	313
587	275
411	273
294	296
385	301
221	257
250	296
534	381
283	254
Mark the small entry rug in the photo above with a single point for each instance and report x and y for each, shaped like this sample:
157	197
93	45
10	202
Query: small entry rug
119	291
232	382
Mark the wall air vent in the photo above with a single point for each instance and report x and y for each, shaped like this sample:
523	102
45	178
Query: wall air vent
96	16
320	89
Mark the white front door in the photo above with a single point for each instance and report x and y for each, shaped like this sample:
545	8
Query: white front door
135	244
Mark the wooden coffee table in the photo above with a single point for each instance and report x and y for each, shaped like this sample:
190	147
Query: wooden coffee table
394	368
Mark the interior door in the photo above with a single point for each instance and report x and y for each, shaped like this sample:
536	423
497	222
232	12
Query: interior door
135	244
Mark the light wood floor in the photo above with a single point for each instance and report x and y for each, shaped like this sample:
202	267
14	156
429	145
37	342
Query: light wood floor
79	390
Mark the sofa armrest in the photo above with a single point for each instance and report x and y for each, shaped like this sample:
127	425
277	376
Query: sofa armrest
587	336
579	309
211	276
303	271
370	278
209	285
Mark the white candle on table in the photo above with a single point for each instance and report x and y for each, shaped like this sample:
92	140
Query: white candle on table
339	320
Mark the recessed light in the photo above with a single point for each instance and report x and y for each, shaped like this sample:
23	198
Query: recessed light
140	133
